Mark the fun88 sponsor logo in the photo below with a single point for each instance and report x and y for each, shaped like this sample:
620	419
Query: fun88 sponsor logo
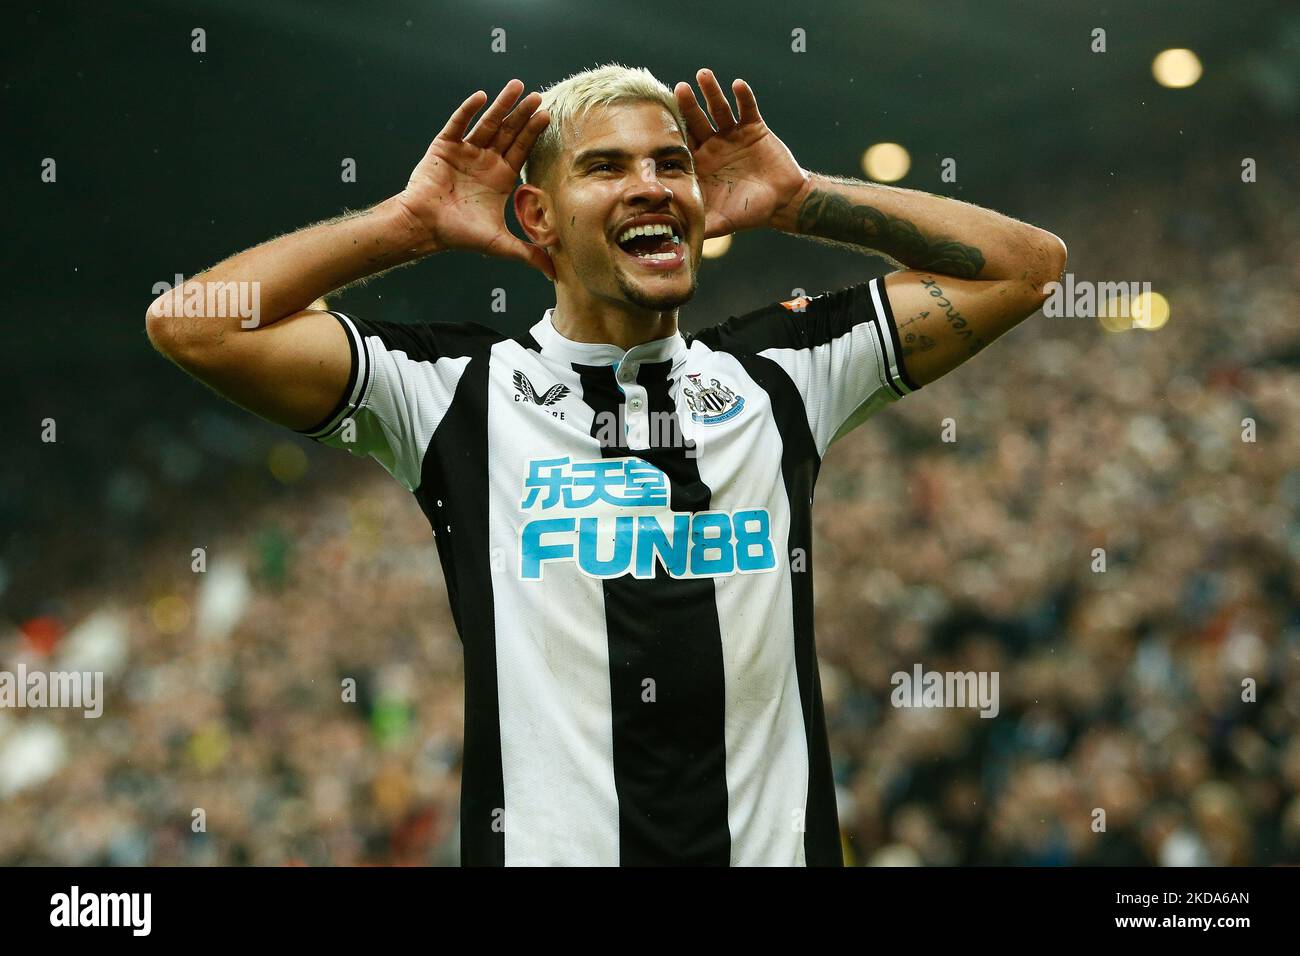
610	517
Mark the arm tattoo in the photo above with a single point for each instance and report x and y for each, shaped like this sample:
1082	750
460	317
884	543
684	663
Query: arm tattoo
915	341
956	321
831	216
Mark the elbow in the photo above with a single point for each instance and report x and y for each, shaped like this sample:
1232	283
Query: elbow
1059	256
160	325
170	332
1047	259
155	327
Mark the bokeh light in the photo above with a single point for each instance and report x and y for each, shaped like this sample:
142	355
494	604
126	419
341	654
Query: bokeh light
1150	311
886	162
1177	68
170	614
288	463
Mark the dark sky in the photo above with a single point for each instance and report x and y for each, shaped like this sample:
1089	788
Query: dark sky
169	160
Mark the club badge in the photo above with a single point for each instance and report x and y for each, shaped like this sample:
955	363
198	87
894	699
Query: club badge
711	404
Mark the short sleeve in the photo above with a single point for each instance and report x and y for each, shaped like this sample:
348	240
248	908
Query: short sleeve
402	382
840	348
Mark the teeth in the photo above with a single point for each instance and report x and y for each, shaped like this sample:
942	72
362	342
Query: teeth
655	230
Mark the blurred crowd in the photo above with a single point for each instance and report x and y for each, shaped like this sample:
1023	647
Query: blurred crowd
300	701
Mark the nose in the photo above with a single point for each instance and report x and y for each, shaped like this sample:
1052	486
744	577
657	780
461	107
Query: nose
645	187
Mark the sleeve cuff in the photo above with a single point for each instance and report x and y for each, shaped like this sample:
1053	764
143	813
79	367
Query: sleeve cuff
355	391
896	376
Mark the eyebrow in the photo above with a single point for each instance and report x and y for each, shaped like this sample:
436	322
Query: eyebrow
587	155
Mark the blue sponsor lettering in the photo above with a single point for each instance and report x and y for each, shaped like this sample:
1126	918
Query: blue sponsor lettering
609	545
702	545
531	550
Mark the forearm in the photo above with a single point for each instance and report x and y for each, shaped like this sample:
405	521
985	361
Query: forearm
921	230
286	274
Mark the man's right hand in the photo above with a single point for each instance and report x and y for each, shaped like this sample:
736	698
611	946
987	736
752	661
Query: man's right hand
459	190
293	364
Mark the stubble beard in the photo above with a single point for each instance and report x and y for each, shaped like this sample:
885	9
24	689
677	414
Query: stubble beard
662	302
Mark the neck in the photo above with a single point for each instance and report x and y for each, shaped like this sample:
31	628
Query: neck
609	322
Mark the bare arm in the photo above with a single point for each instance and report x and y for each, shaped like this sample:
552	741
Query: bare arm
290	364
971	273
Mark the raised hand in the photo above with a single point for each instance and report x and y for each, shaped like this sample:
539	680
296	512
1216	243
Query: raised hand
460	188
746	173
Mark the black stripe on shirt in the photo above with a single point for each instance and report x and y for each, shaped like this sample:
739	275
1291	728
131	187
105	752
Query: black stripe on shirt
669	755
454	492
799	468
826	317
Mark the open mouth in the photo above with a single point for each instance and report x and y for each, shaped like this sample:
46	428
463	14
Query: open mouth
656	247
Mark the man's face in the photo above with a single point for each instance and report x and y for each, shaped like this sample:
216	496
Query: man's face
621	164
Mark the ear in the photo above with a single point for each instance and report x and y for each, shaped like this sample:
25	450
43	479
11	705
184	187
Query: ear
533	210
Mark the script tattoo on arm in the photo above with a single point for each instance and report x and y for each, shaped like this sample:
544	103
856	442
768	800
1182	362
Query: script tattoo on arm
956	321
829	215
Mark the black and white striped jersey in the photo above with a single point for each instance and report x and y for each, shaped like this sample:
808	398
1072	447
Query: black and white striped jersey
626	541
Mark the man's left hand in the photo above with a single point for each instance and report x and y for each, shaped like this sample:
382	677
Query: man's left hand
748	177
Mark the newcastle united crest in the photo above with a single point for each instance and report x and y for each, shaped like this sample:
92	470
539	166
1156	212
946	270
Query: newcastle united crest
711	404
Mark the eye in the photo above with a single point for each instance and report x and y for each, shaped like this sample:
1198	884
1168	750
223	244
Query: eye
600	166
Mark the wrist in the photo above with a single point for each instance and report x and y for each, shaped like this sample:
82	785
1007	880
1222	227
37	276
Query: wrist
407	231
786	217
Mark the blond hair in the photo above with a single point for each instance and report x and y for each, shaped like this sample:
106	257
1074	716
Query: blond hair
573	96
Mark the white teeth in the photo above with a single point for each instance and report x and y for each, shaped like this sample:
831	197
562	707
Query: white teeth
659	229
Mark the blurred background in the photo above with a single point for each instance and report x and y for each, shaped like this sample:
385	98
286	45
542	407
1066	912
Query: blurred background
1120	689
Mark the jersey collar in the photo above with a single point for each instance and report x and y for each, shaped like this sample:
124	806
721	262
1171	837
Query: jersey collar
556	346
